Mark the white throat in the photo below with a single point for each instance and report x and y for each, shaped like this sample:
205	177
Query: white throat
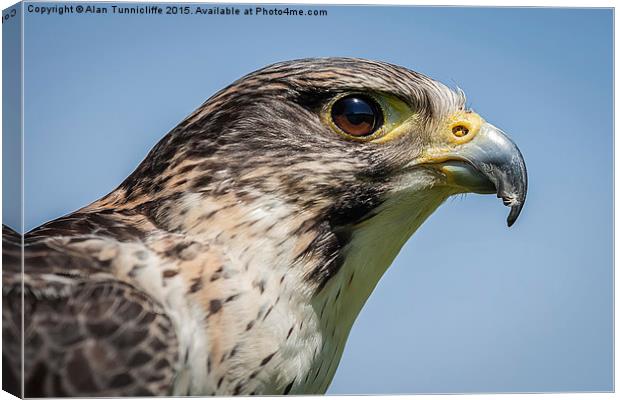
374	245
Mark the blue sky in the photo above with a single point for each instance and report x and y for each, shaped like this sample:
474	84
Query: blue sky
469	305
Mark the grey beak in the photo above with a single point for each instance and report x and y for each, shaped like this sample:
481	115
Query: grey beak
498	167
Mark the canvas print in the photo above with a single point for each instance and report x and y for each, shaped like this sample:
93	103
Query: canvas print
250	199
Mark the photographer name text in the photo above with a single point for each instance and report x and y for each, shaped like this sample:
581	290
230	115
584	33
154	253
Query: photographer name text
172	10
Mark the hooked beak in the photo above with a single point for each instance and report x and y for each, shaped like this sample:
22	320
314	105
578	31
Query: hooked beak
490	163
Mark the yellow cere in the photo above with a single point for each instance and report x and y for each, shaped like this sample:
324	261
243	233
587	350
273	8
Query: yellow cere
463	126
459	128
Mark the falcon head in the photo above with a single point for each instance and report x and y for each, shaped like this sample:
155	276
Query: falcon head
251	235
348	147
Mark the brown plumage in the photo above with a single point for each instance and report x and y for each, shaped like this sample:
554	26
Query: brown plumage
235	259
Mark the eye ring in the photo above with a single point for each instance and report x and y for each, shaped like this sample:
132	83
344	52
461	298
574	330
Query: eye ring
460	130
357	116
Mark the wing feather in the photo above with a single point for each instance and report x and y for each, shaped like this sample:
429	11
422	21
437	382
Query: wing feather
86	333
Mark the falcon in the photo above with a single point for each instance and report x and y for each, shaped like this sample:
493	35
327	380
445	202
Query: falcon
235	259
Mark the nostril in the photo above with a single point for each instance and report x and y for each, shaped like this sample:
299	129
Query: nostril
460	130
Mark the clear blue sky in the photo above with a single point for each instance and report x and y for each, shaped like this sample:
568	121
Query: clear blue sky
469	305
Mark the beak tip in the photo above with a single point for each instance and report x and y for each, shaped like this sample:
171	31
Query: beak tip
514	214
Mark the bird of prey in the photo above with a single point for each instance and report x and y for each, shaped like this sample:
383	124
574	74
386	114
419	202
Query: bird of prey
235	258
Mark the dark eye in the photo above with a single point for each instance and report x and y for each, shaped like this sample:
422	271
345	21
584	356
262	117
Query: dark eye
357	115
